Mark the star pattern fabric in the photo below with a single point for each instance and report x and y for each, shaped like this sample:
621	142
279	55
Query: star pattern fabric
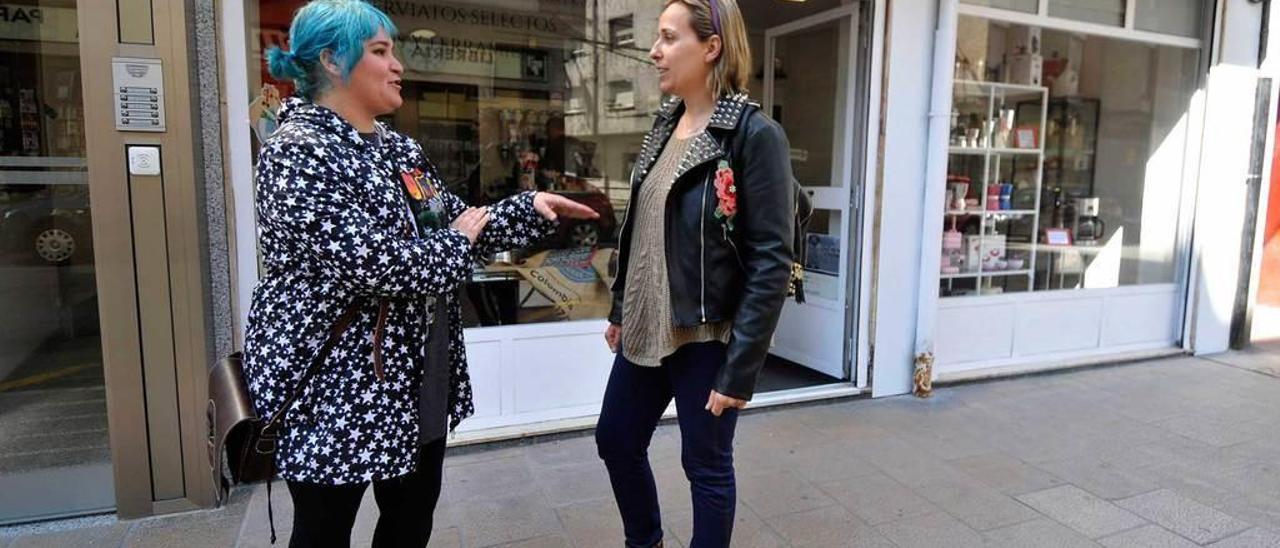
334	228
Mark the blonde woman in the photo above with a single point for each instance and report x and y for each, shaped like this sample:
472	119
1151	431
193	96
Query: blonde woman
705	260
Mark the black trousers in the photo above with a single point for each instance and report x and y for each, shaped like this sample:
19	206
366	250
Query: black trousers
323	515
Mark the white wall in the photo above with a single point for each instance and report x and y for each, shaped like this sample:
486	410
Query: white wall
1224	159
908	71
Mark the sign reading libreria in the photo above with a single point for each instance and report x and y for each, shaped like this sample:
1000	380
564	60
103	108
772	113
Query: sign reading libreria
441	55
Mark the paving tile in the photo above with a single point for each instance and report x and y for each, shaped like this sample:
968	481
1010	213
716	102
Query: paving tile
1039	533
673	486
472	454
565	451
774	493
1184	516
878	499
1261	478
1082	511
930	531
550	541
592	523
1198	483
1263	511
255	523
977	505
1007	474
749	531
768	430
831	461
495	521
1257	537
1103	478
101	536
903	461
1215	432
445	538
1262	362
213	528
499	478
1148	536
824	527
575	483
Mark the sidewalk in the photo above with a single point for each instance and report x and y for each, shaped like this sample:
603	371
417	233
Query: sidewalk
1172	453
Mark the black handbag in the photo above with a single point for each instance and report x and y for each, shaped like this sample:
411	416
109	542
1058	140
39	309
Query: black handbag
235	430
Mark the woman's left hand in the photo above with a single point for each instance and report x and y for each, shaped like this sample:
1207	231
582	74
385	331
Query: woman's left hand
552	206
718	402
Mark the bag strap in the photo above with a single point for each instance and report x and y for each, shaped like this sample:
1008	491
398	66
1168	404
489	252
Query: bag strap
344	321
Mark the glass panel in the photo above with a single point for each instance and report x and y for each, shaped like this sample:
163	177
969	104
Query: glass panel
805	99
1109	185
1026	6
54	458
1105	12
560	104
1180	17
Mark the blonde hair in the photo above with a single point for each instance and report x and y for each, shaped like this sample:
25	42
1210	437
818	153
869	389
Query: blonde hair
733	66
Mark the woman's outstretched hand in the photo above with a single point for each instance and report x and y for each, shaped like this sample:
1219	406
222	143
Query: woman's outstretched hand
553	206
718	402
471	222
612	335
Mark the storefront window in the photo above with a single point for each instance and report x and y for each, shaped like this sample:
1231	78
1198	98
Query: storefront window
54	454
1105	12
1028	6
512	96
1065	160
1178	17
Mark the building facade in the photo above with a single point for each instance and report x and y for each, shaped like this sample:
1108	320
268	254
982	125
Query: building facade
1001	186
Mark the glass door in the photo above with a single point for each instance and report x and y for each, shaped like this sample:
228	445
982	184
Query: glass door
54	456
812	97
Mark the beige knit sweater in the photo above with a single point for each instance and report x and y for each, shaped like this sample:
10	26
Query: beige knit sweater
649	333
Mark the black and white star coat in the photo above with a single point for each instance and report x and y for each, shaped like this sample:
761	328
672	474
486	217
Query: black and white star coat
335	228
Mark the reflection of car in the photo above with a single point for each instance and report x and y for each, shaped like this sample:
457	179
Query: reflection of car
51	225
588	232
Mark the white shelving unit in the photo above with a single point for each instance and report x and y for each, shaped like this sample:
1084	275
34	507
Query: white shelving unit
998	96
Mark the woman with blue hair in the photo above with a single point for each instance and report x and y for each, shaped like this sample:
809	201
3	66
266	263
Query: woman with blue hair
363	251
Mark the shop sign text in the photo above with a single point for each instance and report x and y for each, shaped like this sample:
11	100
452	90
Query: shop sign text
38	24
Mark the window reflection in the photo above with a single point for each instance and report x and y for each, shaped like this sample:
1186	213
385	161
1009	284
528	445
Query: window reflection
1109	186
512	96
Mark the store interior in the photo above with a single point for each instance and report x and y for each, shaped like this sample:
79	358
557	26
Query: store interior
500	112
1065	161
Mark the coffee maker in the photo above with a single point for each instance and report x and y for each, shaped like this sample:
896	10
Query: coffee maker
1088	228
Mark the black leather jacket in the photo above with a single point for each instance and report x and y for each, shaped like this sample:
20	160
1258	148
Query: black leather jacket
717	273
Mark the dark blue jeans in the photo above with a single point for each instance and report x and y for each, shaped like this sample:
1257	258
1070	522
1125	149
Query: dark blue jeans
633	403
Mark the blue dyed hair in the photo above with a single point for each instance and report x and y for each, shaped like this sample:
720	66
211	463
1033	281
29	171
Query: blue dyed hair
338	26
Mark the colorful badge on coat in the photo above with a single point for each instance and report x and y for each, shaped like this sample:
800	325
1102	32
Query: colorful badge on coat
413	184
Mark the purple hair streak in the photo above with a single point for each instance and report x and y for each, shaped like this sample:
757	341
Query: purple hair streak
715	16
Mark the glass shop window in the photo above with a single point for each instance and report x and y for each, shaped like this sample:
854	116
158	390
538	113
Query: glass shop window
507	97
1065	161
